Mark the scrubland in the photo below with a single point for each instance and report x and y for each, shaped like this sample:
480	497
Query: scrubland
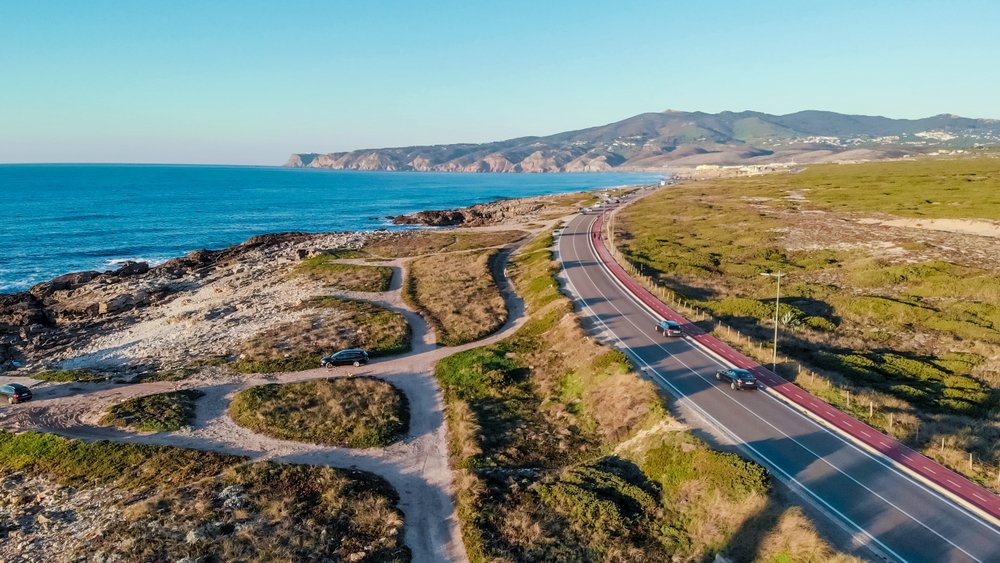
562	452
331	324
891	314
354	412
75	500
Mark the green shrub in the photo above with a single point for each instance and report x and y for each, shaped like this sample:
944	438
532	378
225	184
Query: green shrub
820	323
476	373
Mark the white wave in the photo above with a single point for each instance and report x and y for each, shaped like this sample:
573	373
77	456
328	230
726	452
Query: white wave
150	261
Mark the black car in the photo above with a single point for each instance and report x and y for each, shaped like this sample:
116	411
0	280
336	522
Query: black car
351	357
669	328
15	393
738	378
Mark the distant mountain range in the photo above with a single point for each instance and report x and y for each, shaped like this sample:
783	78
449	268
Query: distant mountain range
678	139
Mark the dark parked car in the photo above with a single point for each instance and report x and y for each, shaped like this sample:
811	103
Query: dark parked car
346	358
738	378
669	328
15	393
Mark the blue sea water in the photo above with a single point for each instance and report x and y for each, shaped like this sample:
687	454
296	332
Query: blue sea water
63	218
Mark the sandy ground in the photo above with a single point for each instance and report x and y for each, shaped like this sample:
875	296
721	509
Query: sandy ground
417	466
964	226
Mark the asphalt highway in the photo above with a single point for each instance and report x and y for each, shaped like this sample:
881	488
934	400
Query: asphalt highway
895	516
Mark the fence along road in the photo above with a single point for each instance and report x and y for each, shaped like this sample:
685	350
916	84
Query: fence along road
895	515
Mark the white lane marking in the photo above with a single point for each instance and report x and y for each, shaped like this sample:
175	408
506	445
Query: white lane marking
628	320
877	459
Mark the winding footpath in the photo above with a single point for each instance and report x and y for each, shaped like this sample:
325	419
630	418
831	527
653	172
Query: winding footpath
417	466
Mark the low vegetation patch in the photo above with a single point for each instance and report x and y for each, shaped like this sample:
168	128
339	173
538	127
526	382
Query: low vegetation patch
156	503
418	243
67	375
324	269
179	374
329	324
532	420
458	295
353	412
162	412
875	312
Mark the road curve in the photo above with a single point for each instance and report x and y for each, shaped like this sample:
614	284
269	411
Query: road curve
893	514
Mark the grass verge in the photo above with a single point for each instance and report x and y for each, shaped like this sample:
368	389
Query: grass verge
162	412
353	412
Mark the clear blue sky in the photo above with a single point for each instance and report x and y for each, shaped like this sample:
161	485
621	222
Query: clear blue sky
250	81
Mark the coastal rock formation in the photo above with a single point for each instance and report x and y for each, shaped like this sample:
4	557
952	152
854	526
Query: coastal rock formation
62	318
677	139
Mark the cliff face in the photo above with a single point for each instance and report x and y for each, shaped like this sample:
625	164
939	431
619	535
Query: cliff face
673	139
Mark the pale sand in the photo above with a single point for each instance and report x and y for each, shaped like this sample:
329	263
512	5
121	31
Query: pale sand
981	228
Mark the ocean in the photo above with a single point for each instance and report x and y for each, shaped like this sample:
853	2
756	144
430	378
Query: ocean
65	218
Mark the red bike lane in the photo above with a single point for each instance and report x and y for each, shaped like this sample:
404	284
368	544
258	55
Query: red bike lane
956	486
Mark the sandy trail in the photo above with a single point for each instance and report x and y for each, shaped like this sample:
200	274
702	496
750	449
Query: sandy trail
417	466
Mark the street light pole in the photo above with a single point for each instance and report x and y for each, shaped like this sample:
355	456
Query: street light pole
777	300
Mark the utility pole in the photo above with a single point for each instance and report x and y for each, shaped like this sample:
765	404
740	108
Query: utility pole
777	300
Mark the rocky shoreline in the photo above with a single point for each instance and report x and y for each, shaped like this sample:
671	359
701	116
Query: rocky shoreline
52	320
139	318
479	215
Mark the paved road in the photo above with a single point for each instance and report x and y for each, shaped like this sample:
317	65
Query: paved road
895	516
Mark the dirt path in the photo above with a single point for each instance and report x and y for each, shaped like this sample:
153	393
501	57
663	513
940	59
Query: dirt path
417	466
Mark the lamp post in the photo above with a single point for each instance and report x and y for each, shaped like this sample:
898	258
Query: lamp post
777	299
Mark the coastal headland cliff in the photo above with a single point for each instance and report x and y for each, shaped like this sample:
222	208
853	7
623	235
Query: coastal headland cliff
673	139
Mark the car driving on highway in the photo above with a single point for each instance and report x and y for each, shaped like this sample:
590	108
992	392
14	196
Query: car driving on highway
669	328
738	379
350	357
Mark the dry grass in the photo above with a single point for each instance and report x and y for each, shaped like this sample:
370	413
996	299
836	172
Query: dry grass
793	538
162	412
457	294
324	269
353	412
166	504
331	324
419	243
